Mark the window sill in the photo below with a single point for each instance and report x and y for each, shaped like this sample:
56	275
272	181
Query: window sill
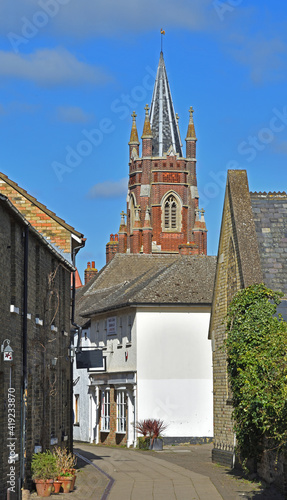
105	432
121	432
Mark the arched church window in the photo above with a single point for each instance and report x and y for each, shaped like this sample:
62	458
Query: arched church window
171	213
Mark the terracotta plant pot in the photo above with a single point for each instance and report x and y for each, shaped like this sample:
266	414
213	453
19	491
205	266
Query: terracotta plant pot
73	482
66	483
57	486
44	487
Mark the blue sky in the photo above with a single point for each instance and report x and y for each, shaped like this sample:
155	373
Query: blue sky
71	74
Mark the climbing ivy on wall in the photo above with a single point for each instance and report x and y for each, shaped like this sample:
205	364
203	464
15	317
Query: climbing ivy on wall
257	366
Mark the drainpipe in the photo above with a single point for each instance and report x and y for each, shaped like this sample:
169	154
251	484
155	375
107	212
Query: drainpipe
79	328
24	400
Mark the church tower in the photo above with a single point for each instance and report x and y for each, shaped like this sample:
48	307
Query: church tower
162	214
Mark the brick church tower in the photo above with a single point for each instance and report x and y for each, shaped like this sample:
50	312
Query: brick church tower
162	215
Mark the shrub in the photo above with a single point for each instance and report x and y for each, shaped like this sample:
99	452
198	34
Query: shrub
257	366
150	428
65	460
44	466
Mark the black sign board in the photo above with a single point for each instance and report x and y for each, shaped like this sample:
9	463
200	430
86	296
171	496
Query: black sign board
90	358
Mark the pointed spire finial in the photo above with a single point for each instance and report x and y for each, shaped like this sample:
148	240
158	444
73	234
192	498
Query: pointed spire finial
134	139
147	133
123	222
162	32
191	129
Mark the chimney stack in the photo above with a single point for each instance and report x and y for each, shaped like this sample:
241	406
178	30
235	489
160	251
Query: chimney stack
90	272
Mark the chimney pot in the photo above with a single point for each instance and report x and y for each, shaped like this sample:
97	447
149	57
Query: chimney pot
93	264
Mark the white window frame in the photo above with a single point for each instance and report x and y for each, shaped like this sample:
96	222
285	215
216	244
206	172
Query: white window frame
121	412
76	409
105	410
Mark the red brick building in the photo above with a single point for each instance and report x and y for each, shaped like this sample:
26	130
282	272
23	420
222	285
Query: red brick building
162	213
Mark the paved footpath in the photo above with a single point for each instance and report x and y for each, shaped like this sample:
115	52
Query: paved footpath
177	473
142	476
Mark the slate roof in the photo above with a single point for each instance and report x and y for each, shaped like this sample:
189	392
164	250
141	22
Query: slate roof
163	120
270	218
130	279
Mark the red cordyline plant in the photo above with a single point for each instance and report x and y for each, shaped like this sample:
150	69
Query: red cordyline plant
151	428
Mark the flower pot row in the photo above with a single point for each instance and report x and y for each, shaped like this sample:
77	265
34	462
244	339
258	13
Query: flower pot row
53	471
46	487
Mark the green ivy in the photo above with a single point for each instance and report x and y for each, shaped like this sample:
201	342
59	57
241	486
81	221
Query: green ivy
256	348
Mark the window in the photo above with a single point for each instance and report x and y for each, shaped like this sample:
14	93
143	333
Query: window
121	412
105	412
171	214
76	410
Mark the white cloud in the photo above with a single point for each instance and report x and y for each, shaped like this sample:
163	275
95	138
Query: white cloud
73	114
49	67
265	57
109	189
106	17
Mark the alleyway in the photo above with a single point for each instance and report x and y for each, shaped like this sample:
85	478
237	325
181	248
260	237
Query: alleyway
177	473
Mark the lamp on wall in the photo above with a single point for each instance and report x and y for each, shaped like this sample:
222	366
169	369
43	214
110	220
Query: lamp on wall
54	361
7	351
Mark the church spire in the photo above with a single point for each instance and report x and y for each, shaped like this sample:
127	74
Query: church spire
162	116
191	130
147	133
134	139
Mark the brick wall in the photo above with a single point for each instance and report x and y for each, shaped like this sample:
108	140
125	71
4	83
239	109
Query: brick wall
45	224
227	264
48	398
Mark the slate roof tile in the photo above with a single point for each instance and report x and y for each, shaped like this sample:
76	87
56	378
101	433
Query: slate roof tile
130	279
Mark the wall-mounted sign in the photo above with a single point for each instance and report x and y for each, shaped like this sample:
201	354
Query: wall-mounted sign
112	326
91	359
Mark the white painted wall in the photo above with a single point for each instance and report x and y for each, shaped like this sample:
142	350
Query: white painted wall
174	370
82	431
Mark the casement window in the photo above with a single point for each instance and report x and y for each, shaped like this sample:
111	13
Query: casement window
121	412
171	213
105	411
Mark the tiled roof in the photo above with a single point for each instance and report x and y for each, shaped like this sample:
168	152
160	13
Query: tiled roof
39	205
270	217
163	120
130	279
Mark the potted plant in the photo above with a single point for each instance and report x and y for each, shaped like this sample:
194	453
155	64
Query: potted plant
44	471
151	430
66	462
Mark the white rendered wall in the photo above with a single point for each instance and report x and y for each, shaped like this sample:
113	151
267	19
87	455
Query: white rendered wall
174	370
81	432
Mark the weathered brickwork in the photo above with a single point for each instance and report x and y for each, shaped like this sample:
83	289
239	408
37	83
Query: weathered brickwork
46	222
223	426
48	339
238	266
